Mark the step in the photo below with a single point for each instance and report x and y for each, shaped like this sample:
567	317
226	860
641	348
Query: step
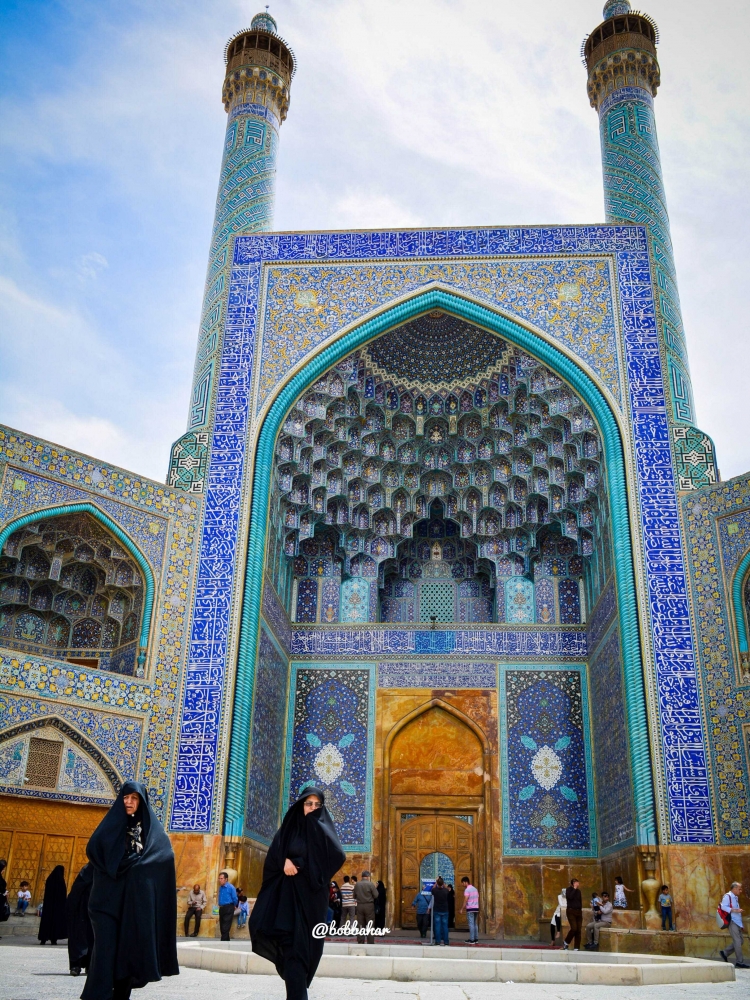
20	926
417	963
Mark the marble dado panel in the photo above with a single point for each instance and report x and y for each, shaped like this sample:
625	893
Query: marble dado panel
398	642
163	524
570	299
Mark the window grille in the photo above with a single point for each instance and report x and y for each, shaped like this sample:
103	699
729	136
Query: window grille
43	762
437	600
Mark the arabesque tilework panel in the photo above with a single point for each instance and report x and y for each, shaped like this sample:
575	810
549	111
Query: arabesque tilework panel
329	744
546	767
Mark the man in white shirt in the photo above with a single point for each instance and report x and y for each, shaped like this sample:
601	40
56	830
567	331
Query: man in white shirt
730	903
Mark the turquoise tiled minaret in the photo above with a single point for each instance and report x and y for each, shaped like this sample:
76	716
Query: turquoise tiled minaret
259	70
623	77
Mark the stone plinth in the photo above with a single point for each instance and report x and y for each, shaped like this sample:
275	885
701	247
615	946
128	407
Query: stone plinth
696	944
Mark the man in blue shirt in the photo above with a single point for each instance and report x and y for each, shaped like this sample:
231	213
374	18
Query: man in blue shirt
422	905
227	902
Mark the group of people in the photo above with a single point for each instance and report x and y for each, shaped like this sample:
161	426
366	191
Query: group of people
119	917
570	903
437	903
361	901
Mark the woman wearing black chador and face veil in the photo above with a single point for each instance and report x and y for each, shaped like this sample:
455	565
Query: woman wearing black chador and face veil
133	902
303	858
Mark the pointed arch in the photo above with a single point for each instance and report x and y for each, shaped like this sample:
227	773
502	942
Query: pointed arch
556	358
109	524
738	604
73	734
422	709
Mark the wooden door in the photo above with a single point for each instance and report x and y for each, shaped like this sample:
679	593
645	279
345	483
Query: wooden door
427	835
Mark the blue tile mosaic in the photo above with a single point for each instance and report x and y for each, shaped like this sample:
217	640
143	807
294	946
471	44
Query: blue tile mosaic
683	742
329	744
117	736
264	786
482	642
614	793
450	674
547	778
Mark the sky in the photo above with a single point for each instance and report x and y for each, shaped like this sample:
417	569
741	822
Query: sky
403	113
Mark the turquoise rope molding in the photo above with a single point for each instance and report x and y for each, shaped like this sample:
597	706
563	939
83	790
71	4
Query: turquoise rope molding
89	508
640	753
738	604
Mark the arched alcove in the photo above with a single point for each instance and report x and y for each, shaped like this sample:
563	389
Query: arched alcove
70	589
435	466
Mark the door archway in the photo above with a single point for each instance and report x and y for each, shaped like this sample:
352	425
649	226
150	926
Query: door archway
436	788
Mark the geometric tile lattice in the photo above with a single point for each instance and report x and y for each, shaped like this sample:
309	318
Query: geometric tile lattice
695	458
187	464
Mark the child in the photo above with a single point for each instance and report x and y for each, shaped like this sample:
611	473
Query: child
665	901
24	898
620	890
244	910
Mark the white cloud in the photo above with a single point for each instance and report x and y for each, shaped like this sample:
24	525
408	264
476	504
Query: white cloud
90	264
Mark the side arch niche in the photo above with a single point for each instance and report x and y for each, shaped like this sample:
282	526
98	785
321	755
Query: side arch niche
441	413
72	590
48	758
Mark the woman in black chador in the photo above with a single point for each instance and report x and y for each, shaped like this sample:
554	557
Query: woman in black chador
53	925
80	931
303	857
133	902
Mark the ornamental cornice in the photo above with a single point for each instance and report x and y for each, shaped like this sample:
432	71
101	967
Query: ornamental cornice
631	66
256	85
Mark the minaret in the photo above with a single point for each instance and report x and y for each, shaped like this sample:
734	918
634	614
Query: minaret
259	70
623	77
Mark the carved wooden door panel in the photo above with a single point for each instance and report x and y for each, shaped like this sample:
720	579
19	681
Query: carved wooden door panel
427	837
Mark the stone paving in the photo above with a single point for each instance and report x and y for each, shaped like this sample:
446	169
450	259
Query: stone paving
32	972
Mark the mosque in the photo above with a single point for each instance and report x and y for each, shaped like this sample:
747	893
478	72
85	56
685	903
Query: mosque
441	536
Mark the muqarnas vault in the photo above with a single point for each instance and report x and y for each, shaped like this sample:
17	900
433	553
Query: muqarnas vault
441	536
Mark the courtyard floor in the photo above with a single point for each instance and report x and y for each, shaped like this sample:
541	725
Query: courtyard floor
29	971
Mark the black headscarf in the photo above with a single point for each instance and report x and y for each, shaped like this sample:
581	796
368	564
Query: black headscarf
53	926
4	904
133	902
80	931
380	904
289	906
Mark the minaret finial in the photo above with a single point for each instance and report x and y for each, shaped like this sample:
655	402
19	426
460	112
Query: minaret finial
614	7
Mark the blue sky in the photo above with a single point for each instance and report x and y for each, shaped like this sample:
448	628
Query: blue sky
403	112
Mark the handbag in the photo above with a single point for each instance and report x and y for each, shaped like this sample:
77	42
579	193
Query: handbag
722	917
